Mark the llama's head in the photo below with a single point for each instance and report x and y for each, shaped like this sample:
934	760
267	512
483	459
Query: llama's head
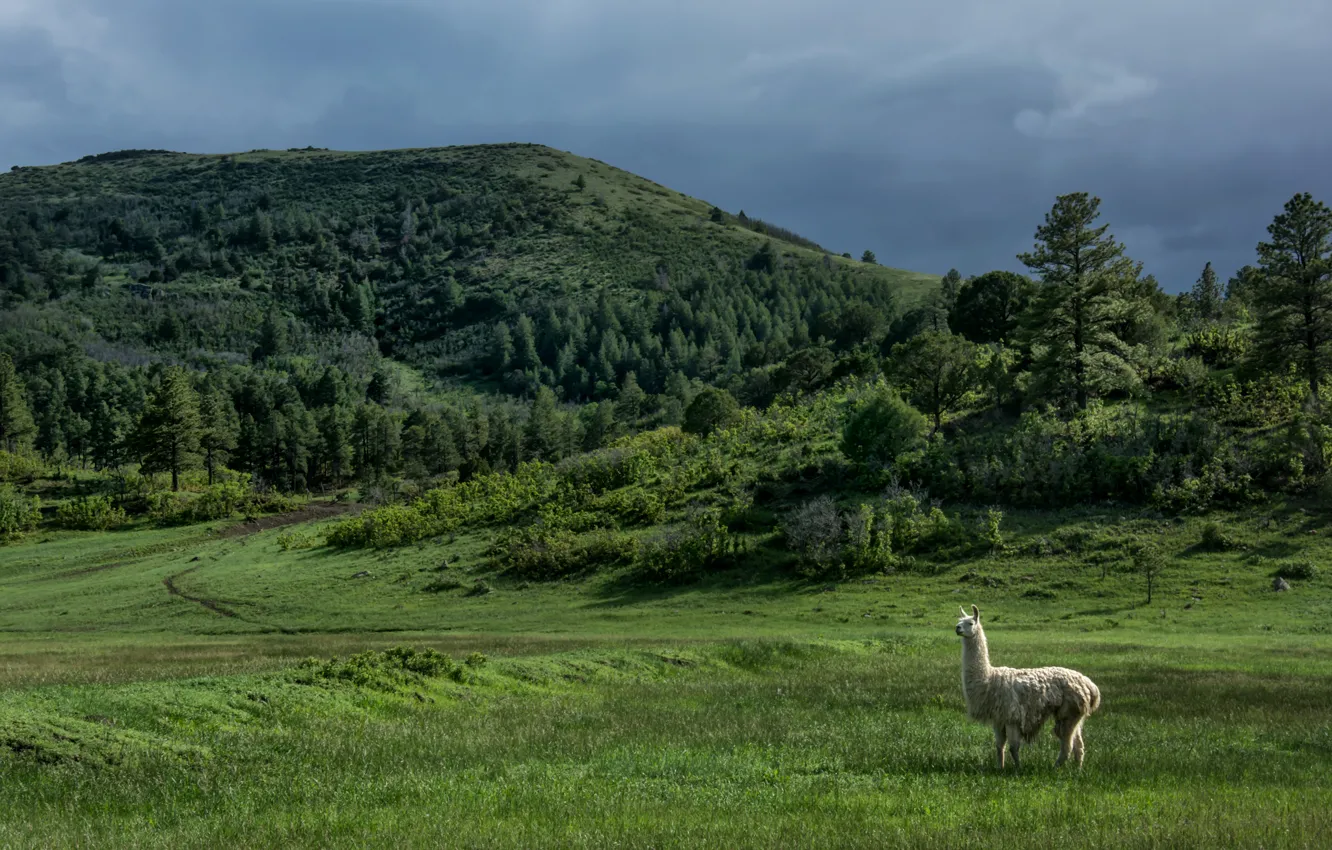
968	626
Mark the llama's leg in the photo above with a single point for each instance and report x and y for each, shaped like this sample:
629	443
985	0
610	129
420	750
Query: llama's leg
1065	730
1014	744
1077	744
999	745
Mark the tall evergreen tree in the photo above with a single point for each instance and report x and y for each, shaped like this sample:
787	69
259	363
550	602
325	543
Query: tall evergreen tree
272	337
1293	291
111	430
525	348
1206	295
16	425
949	287
168	433
1077	313
219	429
501	348
544	431
335	447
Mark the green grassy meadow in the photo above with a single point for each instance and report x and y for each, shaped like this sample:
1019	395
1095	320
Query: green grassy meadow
739	711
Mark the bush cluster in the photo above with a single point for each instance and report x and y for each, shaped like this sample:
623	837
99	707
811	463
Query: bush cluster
18	513
390	669
874	536
90	513
702	544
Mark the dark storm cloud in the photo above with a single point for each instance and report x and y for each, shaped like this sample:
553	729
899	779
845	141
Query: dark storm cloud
937	136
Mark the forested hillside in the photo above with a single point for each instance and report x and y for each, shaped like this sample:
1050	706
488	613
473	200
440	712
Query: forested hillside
590	370
347	315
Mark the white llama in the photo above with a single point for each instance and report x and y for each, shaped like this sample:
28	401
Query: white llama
1017	701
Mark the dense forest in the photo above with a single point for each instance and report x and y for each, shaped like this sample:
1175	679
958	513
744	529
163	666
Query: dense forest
452	332
346	316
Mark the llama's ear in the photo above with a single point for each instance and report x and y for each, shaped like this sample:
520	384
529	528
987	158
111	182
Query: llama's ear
963	610
975	612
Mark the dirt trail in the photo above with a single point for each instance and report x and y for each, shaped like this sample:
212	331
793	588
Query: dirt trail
318	510
210	604
311	512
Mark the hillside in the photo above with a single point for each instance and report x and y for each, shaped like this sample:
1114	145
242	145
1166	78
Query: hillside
143	255
494	497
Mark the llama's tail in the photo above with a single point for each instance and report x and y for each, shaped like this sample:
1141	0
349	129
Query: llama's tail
1095	694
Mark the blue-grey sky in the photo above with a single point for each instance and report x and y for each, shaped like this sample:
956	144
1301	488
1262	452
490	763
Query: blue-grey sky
936	134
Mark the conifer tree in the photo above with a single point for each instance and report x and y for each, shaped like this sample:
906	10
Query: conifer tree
16	425
111	429
1292	292
501	348
1073	324
335	445
1206	295
219	429
544	429
168	433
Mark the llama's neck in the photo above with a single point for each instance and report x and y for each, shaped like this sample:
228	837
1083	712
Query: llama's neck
975	664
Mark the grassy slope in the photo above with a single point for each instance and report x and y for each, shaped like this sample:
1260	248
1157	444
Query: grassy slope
810	716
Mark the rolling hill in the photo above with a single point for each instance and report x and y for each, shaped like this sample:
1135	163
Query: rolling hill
148	255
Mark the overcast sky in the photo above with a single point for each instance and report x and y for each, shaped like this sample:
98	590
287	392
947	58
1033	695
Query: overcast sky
935	133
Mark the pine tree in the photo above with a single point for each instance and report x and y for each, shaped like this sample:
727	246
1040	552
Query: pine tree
501	348
1206	295
544	429
629	403
219	429
1073	325
524	343
335	443
868	257
111	430
16	425
601	425
949	288
1293	291
168	433
272	338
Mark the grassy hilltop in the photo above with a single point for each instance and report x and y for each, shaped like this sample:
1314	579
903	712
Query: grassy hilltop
496	497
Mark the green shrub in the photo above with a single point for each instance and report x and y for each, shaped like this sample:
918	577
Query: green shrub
872	538
711	410
881	429
1218	345
993	534
221	500
1296	570
1183	373
18	513
540	552
90	513
387	670
1263	401
166	506
631	506
1215	539
20	467
704	544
